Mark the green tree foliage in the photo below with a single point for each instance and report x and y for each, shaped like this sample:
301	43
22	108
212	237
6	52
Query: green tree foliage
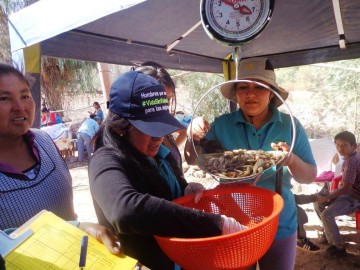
60	76
195	86
324	96
5	56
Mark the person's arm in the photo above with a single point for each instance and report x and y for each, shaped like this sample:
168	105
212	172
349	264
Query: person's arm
304	198
130	212
96	126
181	137
300	162
301	171
348	179
189	152
345	189
195	132
103	235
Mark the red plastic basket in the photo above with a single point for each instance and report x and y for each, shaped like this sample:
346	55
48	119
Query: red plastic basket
255	207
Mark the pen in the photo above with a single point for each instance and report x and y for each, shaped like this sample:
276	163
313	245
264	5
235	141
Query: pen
83	251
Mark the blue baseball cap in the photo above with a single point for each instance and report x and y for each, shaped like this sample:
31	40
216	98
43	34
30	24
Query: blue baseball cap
142	100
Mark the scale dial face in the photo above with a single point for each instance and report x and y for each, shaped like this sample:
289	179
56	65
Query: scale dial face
235	22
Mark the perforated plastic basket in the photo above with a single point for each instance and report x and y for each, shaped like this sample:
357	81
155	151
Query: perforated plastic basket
255	207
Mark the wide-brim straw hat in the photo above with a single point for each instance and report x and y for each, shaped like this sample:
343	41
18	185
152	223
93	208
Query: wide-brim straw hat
259	69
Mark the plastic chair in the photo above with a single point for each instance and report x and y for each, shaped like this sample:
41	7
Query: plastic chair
323	150
335	183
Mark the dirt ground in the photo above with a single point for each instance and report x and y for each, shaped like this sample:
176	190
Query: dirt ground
304	260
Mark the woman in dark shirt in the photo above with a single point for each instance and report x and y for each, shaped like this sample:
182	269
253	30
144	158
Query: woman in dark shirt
133	177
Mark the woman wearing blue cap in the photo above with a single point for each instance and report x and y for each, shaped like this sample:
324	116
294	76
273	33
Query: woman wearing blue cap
258	124
133	177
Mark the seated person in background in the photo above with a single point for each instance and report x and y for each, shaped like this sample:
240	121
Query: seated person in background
97	113
133	177
344	200
49	118
302	241
33	176
85	134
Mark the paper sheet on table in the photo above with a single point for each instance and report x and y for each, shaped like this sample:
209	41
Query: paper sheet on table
55	244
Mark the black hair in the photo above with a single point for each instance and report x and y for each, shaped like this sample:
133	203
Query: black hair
112	135
44	109
96	103
152	64
346	136
158	72
107	136
6	69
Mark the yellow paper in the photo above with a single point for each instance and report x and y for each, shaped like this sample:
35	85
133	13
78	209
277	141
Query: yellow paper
55	244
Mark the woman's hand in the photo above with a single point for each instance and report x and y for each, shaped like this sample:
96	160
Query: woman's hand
196	131
301	171
231	225
103	235
284	147
200	127
194	188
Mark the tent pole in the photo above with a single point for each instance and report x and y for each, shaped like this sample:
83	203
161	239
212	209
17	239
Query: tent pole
339	24
104	70
170	46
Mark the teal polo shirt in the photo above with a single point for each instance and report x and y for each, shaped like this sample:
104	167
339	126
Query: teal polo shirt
234	132
166	171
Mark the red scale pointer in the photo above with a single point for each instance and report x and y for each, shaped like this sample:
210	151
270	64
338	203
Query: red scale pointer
244	10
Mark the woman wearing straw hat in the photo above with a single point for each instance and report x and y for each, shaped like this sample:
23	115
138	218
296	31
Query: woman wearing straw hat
258	124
